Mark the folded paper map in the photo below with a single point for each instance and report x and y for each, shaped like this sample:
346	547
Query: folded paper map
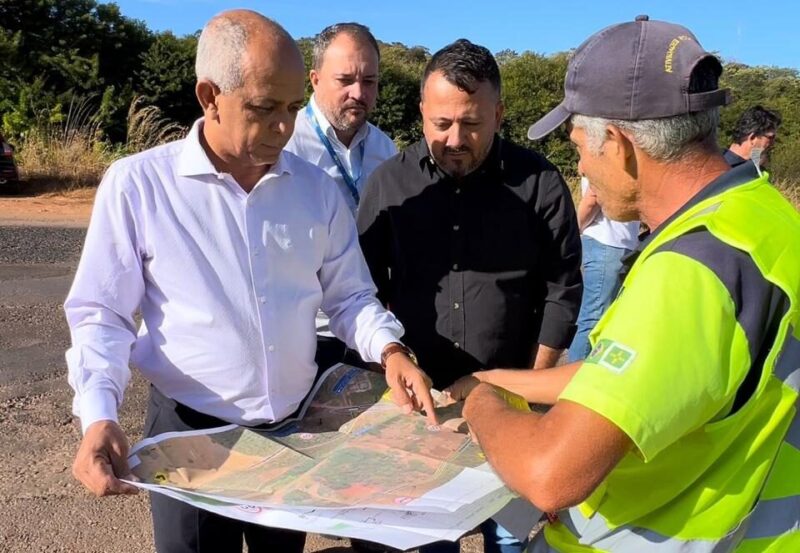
349	455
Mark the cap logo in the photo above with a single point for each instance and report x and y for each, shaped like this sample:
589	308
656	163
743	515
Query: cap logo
673	45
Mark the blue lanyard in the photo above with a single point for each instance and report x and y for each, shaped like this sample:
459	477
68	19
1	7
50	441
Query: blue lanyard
348	179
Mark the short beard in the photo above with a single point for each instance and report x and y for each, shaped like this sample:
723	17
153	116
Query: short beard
465	170
340	121
344	124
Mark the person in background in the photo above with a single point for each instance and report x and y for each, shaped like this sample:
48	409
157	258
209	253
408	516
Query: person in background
604	243
333	133
753	137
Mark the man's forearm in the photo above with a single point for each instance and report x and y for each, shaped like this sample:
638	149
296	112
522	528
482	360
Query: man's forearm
546	357
536	386
554	460
588	209
587	214
506	435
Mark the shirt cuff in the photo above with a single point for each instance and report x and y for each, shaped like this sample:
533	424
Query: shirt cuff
556	335
97	405
380	340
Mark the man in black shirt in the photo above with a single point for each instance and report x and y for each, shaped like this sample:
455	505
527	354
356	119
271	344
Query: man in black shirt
471	240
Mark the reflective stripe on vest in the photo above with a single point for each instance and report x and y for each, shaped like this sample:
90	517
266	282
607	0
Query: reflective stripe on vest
793	435
787	366
770	519
774	517
631	539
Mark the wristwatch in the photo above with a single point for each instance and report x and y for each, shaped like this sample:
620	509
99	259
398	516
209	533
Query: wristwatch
397	347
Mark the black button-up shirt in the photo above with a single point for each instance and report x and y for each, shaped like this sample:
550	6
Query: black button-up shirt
481	269
733	159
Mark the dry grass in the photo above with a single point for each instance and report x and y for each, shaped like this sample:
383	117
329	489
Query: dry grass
74	154
68	155
790	189
146	128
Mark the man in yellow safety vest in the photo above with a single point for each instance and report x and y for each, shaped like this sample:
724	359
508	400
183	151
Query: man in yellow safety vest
679	432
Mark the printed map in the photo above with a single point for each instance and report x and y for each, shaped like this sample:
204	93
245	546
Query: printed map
350	448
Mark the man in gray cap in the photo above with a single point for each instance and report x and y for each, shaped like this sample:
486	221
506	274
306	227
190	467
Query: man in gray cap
679	431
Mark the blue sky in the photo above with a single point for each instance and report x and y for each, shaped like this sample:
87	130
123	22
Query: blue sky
756	33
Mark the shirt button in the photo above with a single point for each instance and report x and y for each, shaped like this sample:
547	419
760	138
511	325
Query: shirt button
271	348
255	253
456	227
455	266
456	305
262	299
458	191
456	345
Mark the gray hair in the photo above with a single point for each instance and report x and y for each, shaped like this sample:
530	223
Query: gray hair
220	50
355	30
667	139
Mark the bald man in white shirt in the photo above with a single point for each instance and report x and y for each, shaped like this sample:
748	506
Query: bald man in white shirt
228	246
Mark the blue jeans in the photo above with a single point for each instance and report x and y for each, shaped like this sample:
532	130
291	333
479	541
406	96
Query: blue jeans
601	266
496	539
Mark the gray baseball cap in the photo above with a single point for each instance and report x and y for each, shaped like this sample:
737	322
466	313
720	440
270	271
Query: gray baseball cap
632	71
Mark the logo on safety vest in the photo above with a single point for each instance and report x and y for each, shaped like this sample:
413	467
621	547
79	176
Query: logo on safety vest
611	355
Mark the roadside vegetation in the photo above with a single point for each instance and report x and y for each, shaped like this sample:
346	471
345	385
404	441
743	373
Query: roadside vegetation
81	85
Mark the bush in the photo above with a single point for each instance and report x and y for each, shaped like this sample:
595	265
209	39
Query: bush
74	153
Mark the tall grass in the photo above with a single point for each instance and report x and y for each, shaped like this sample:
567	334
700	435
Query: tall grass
74	153
147	128
68	154
790	188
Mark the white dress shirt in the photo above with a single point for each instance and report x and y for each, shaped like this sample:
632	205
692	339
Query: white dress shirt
228	284
305	143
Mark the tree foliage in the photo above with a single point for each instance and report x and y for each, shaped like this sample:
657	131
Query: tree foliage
533	84
56	51
774	88
167	77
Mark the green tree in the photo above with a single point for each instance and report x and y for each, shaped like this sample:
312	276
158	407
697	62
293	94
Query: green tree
69	48
397	112
533	84
167	77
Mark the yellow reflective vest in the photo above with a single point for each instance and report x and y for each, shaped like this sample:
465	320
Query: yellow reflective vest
732	484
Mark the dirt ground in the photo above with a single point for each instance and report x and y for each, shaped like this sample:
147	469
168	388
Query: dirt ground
41	507
65	209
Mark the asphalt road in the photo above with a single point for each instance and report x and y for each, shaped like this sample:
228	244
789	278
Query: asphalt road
41	507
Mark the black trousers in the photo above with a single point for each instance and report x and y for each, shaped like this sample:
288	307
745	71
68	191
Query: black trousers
181	528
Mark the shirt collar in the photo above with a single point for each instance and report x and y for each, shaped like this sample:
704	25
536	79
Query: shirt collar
329	131
193	160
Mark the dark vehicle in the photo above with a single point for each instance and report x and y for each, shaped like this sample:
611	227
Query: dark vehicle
9	176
